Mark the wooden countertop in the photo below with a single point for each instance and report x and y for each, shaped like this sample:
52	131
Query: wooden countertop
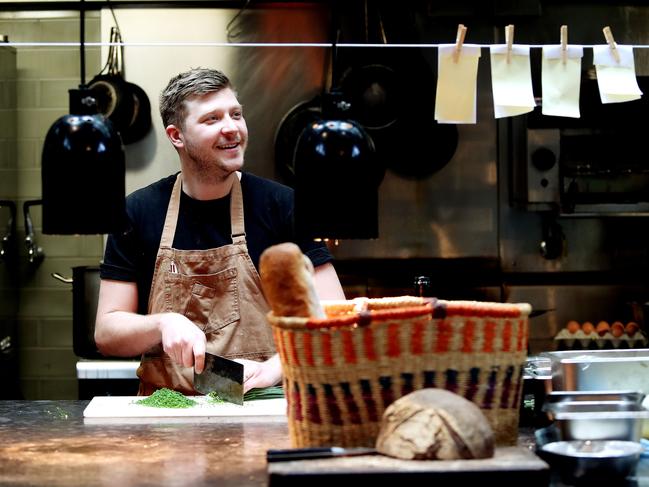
47	443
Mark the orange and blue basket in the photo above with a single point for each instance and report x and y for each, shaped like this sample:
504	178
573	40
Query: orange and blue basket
341	372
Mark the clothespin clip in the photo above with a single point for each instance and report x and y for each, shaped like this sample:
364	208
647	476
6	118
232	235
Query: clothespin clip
564	43
608	35
509	39
459	40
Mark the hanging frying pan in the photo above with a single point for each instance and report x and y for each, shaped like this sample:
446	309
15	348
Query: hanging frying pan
393	99
140	123
288	132
114	99
124	103
375	93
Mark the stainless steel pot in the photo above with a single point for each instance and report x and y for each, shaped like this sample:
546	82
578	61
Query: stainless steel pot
85	294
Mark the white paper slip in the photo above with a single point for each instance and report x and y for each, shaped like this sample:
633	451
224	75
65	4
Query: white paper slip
616	80
561	80
455	100
511	82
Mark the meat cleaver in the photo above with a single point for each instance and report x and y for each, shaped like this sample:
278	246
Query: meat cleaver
221	376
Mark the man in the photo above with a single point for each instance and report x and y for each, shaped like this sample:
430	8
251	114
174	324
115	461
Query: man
180	281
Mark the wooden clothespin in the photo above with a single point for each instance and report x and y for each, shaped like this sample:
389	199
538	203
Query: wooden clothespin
608	35
509	39
459	40
564	43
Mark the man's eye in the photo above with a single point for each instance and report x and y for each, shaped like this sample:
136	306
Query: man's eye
237	115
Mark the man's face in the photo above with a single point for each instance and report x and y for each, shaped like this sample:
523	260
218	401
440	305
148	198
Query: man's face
215	134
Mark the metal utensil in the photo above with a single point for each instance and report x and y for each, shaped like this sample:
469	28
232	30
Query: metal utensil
221	376
593	461
316	452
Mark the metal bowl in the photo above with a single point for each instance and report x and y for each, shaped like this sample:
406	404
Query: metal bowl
597	461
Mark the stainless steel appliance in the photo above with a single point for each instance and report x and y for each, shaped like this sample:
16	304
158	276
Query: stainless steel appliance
595	165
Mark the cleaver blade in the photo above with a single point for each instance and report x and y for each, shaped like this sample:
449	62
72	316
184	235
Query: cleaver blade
222	376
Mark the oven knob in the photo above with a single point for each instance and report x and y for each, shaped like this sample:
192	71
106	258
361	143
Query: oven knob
543	159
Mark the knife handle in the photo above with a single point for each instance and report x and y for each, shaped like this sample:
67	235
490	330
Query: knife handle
278	455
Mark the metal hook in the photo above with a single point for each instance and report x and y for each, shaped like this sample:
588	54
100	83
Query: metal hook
8	243
35	253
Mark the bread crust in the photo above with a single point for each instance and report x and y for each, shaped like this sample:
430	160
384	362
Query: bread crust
435	424
287	280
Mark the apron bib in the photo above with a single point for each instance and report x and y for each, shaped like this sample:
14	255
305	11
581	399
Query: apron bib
219	290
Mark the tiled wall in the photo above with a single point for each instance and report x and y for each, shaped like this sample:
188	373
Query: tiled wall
43	314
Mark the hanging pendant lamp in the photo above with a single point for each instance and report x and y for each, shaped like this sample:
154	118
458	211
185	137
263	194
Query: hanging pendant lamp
337	173
336	177
83	167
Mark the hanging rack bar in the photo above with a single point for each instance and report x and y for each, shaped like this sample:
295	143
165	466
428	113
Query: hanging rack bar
82	49
262	44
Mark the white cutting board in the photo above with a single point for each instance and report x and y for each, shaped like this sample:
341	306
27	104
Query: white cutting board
127	407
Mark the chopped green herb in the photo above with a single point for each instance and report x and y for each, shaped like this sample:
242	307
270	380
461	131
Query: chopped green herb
58	412
214	398
166	398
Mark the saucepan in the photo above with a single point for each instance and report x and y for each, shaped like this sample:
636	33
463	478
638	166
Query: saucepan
85	294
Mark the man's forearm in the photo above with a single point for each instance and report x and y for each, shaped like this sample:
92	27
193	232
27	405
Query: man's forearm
126	334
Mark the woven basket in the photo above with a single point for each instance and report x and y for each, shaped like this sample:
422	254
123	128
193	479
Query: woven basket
341	372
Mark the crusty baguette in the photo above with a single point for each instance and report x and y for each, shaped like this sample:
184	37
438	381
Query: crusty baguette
287	281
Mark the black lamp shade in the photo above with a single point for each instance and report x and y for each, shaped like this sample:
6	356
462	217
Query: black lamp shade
336	180
83	172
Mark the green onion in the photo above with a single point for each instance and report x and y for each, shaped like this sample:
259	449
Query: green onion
272	392
166	398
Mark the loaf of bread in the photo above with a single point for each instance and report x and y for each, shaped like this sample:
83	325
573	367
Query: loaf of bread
287	281
437	424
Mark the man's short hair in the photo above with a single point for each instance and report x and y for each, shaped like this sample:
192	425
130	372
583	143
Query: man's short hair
195	82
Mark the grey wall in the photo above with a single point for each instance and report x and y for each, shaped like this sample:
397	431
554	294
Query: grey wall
39	306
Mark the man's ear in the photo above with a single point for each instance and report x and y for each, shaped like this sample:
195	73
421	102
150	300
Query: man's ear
175	136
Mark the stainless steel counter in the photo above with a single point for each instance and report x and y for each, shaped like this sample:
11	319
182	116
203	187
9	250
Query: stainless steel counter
107	369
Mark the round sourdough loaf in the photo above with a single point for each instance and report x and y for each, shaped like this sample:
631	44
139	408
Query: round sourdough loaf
437	424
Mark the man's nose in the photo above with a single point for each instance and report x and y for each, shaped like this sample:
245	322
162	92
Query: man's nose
229	125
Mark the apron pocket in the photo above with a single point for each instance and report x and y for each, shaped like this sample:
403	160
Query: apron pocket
214	302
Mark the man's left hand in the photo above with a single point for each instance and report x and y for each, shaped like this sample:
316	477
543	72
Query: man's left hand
261	374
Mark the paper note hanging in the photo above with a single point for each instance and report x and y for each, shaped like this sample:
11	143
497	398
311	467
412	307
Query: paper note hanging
511	82
616	80
560	80
455	101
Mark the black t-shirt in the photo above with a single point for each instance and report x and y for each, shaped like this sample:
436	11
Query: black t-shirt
268	214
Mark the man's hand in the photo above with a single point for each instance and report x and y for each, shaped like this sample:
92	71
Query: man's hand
183	341
261	374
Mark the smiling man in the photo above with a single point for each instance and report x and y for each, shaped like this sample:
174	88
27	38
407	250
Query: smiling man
182	279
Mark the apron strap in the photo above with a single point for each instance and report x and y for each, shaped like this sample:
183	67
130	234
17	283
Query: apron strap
236	213
169	229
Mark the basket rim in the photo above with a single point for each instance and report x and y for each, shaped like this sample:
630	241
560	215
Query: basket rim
438	309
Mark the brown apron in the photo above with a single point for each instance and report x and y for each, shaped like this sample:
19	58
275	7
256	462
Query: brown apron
219	290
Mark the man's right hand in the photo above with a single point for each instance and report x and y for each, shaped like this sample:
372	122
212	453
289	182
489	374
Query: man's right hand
183	341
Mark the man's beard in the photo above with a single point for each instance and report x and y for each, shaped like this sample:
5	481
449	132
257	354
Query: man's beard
205	167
